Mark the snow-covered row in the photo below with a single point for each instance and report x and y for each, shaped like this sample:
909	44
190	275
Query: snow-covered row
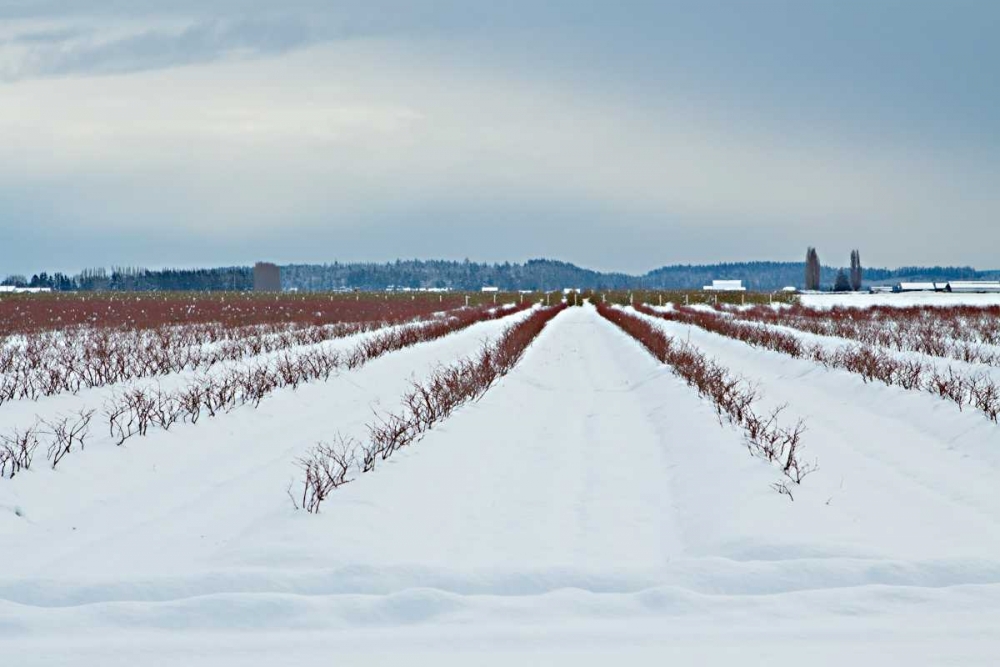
862	422
134	410
959	382
52	363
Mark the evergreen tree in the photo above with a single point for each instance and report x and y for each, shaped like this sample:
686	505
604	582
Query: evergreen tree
841	284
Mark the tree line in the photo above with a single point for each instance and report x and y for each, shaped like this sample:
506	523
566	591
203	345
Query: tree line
535	274
137	279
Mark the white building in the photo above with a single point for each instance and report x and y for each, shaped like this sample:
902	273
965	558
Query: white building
973	286
491	289
725	286
915	287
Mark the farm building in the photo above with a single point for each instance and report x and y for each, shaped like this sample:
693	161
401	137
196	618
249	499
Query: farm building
491	289
917	287
266	277
725	286
972	286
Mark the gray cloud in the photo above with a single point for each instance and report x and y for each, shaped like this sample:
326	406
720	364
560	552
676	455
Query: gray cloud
69	51
38	37
621	134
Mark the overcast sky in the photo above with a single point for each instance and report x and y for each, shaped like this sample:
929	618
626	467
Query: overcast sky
616	135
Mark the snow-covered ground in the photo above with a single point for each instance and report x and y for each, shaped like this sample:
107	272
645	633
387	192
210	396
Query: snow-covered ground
864	299
589	507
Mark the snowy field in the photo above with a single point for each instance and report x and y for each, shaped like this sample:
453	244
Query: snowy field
590	506
904	299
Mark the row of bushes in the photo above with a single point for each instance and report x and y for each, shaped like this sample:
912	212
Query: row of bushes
732	396
67	311
963	333
870	362
45	364
61	435
328	466
133	411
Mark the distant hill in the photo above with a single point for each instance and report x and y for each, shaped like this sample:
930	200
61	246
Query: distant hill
549	274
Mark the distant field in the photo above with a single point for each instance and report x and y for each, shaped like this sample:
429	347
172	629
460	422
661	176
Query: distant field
25	313
626	297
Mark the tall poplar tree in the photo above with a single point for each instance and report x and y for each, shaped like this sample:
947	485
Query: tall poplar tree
812	269
857	273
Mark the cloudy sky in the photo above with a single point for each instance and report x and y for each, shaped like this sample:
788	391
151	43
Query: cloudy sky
617	135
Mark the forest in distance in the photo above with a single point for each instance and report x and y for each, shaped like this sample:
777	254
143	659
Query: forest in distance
534	274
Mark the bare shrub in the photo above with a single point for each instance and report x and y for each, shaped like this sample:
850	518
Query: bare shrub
167	408
67	432
326	467
781	486
121	419
191	399
391	432
795	468
985	395
947	384
17	450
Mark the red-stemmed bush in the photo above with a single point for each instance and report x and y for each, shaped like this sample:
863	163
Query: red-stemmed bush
733	397
425	405
866	359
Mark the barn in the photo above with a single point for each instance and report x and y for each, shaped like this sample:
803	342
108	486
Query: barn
915	287
973	286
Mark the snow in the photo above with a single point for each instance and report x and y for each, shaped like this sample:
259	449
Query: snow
904	299
589	507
